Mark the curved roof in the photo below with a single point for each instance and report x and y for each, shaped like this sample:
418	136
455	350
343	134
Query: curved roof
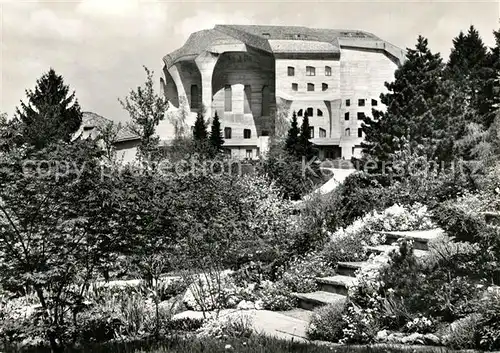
278	40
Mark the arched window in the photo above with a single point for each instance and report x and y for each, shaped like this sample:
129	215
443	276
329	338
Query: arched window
328	71
324	86
228	98
299	113
248	100
319	112
310	111
195	103
322	132
347	132
265	101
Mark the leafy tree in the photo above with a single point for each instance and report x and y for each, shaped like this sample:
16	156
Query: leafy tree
216	138
292	139
60	223
146	109
408	103
51	113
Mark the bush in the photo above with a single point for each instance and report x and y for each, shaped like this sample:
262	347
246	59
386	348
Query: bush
461	218
327	323
349	244
230	326
275	296
488	332
461	334
301	274
185	324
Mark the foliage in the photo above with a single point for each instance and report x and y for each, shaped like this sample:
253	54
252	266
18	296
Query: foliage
146	109
327	323
349	244
51	113
229	326
488	331
301	273
292	139
304	148
200	128
275	296
216	138
289	174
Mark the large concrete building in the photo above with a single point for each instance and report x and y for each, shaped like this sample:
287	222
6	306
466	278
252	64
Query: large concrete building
254	76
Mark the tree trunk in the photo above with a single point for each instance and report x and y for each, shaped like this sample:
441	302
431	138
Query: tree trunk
54	346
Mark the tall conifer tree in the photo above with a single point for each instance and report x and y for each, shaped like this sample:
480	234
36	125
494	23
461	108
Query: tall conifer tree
292	138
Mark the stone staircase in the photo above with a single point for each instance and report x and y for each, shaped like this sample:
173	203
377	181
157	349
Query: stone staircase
334	288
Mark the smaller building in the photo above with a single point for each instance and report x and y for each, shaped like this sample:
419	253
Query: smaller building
126	140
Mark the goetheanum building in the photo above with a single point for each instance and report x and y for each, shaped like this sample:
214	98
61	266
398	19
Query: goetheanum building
250	75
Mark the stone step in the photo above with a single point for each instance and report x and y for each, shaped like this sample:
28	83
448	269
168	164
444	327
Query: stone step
492	218
312	300
335	284
420	238
349	268
384	248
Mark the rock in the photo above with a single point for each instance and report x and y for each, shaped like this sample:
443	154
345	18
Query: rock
245	305
382	336
432	339
395	337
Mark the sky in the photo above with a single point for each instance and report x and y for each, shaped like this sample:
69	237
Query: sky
100	46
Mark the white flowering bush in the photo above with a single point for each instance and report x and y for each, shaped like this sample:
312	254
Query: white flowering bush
229	326
420	325
275	296
348	244
361	325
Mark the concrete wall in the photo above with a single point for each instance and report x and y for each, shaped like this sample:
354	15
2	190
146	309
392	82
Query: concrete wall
126	151
239	70
362	76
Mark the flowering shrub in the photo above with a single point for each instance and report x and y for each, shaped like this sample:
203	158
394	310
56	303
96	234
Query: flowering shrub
361	325
275	296
326	322
349	244
235	326
301	274
420	325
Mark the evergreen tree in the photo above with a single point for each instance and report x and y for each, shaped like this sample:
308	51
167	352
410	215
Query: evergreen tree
292	139
470	67
216	138
200	128
305	147
51	113
409	105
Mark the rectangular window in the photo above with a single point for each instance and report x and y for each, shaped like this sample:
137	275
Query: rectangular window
194	97
346	116
361	115
310	111
374	102
322	132
228	99
249	154
328	71
295	87
247	133
291	71
227	132
248	100
310	71
360	132
347	102
311	132
310	87
361	102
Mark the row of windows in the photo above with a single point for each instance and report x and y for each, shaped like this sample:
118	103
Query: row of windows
361	102
360	115
310	112
310	87
265	101
247	133
347	132
310	71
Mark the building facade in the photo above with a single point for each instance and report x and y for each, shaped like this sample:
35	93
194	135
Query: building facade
255	77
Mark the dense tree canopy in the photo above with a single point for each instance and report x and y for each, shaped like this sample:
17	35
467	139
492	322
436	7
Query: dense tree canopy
51	113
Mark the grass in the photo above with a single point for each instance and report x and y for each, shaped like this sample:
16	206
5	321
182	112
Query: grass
256	344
